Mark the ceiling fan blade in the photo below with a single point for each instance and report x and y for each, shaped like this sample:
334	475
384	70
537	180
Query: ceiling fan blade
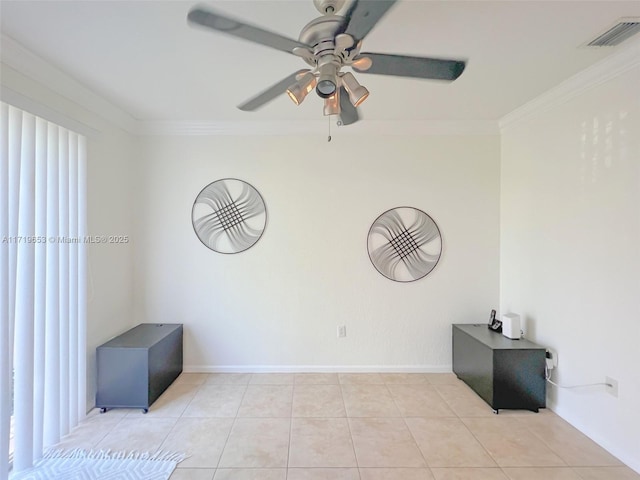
224	24
406	66
348	113
270	93
363	15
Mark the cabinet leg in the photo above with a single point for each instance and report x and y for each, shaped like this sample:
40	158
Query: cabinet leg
103	410
495	410
145	410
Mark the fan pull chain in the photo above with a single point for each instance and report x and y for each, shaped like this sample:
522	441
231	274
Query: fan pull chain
329	137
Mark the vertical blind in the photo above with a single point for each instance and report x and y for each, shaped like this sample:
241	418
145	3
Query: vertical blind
42	284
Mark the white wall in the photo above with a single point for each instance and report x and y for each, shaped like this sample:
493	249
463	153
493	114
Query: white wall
277	305
110	212
570	252
110	153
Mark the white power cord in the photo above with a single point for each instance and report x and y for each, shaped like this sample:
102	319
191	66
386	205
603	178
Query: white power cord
547	376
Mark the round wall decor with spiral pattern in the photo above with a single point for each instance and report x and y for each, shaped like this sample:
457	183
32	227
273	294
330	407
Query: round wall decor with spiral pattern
404	244
229	216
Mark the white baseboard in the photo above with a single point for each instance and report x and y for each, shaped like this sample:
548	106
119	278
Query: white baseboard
317	368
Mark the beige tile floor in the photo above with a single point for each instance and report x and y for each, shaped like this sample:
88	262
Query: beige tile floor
316	426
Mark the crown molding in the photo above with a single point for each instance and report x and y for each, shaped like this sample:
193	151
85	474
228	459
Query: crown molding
606	69
30	65
27	104
319	127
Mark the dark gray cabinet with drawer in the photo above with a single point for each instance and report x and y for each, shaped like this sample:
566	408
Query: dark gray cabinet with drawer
505	373
136	367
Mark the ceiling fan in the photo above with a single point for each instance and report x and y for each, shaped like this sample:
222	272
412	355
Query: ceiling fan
328	44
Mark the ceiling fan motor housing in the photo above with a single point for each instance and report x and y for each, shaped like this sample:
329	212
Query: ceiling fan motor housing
320	33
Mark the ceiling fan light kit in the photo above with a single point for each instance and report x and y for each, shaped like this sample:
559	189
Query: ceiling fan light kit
357	93
299	90
332	104
328	44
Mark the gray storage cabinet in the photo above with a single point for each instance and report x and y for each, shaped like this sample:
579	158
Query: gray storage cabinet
137	366
505	373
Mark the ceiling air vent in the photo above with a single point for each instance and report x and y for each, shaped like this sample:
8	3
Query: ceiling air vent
622	30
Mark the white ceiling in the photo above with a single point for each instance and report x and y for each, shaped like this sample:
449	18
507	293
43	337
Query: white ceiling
144	58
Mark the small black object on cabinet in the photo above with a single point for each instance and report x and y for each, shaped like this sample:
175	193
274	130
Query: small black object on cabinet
494	323
135	368
505	373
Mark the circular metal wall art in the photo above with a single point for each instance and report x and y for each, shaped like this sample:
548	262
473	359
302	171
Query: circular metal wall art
229	216
404	244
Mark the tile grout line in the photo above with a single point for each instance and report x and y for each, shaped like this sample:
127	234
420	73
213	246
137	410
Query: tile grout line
168	433
404	419
95	445
293	389
477	440
347	418
489	453
459	418
199	387
541	440
191	400
233	424
435	387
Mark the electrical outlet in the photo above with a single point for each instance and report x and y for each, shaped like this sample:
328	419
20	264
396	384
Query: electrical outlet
612	386
342	331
